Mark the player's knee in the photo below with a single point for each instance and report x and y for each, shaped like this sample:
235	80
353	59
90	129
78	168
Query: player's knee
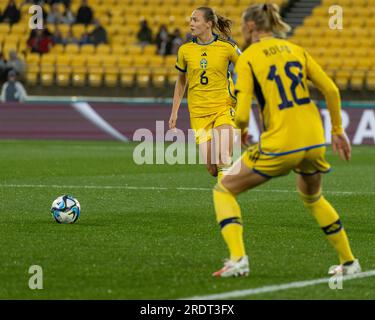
309	199
212	169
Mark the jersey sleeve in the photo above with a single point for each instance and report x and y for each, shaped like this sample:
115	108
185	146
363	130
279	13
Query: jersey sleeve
234	54
244	91
330	91
181	62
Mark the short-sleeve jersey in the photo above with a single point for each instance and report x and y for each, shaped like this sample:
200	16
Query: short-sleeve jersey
276	71
206	67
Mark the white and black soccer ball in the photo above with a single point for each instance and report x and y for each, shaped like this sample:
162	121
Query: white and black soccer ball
66	209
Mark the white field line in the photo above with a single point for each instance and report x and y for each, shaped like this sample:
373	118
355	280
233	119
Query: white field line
280	287
127	187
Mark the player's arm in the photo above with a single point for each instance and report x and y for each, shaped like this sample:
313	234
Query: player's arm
234	54
179	89
244	92
315	73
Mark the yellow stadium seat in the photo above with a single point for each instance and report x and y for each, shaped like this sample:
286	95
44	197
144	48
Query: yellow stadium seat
47	78
32	78
170	61
4	28
78	61
357	80
78	30
132	11
19	28
95	79
143	77
370	81
365	64
48	58
58	48
172	75
334	63
103	49
63	79
72	48
33	59
127	77
156	61
33	68
118	20
141	61
349	63
78	79
109	61
149	49
63	60
125	62
118	49
111	30
95	61
134	50
88	49
110	79
159	77
216	3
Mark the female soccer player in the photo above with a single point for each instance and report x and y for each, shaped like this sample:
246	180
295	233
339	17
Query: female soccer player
203	64
277	72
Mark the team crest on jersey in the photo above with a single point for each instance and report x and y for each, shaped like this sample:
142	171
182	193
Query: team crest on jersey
203	63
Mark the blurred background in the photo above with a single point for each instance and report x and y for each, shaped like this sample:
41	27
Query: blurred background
126	49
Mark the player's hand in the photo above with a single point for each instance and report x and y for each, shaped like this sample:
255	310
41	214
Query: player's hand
172	121
245	139
341	145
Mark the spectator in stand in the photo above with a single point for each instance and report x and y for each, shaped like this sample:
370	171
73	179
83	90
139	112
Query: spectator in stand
66	3
84	14
57	36
68	16
71	38
3	67
177	41
55	16
85	39
40	41
13	90
144	34
161	40
99	34
16	64
11	13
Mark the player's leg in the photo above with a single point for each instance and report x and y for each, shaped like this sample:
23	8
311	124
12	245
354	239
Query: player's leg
309	187
228	214
202	127
223	144
205	149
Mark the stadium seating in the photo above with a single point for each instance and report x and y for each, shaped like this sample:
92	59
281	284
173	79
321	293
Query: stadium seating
122	60
346	54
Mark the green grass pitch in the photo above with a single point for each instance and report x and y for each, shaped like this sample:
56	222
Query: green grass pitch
135	242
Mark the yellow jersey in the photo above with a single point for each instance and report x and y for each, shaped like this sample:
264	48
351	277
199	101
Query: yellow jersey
209	82
277	72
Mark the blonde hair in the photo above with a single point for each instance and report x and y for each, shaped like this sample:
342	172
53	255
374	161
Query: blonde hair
267	18
219	23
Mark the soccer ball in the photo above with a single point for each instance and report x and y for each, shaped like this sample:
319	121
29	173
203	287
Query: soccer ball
65	209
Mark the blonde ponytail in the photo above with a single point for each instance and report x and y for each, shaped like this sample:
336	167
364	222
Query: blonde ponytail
267	18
